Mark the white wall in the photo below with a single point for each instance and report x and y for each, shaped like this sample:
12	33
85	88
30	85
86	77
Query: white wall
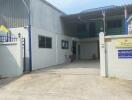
46	21
63	54
11	62
45	17
88	48
42	57
24	33
114	66
121	68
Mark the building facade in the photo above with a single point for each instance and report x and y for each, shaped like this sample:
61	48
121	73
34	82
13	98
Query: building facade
52	36
49	45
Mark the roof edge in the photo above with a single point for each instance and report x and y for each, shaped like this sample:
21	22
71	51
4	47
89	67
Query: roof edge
114	6
49	4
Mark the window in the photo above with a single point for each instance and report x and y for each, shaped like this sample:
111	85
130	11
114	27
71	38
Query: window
64	44
114	23
42	42
48	42
45	42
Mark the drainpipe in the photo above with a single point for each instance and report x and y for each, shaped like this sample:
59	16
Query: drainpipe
29	34
30	41
126	17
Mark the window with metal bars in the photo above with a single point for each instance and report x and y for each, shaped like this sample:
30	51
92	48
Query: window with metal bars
64	44
45	42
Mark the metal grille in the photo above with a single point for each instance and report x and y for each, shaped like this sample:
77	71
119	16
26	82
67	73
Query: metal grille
8	39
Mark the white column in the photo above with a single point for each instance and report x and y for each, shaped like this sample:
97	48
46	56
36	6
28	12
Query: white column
102	55
20	56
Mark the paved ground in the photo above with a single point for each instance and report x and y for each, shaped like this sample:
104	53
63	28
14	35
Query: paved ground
78	81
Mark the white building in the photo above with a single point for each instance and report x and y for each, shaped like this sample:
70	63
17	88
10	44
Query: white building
49	45
52	36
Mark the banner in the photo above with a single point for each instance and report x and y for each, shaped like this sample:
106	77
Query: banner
124	43
124	54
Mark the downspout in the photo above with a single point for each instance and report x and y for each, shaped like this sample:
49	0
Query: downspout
29	34
30	41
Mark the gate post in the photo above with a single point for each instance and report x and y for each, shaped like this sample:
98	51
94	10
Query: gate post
102	54
20	55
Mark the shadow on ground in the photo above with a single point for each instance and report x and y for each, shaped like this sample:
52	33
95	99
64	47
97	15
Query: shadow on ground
82	65
7	81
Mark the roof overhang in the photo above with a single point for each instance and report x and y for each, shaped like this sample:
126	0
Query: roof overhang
97	14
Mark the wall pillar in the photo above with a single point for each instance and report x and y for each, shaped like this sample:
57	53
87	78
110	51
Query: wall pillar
102	55
20	56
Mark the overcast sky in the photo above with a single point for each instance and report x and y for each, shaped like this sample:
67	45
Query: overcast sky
75	6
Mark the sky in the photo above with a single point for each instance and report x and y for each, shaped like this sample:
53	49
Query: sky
76	6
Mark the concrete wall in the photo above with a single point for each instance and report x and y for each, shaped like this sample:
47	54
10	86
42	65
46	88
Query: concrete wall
24	34
115	66
11	62
63	54
43	57
47	57
46	17
88	48
46	21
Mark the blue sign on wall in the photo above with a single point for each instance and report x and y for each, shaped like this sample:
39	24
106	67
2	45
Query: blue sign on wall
124	54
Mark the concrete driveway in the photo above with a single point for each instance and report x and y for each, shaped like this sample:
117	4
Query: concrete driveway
77	81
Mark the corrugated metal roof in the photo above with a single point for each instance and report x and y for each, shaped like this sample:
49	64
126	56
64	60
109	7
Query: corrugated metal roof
108	9
105	8
97	13
98	9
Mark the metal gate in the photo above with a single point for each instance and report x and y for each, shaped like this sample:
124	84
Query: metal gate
24	54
